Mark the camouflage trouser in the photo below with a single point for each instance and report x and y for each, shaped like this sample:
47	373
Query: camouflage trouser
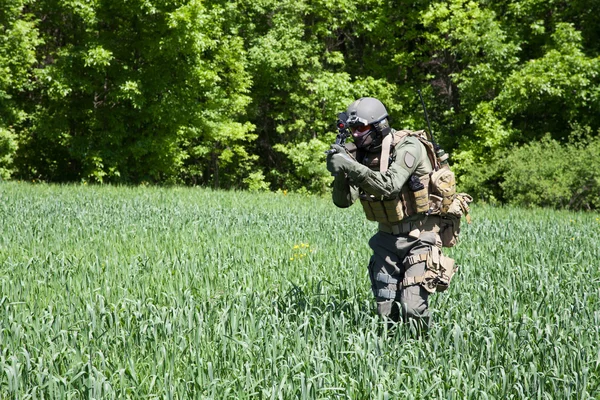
395	260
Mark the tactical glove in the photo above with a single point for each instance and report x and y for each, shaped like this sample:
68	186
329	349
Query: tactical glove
336	148
340	162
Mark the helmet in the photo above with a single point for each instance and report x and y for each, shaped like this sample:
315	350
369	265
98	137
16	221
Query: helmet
366	111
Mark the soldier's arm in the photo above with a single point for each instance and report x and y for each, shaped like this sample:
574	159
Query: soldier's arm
409	155
343	194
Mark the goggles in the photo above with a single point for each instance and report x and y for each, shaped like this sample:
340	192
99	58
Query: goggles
360	131
358	126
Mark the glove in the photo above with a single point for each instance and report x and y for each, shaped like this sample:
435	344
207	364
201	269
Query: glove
340	162
336	148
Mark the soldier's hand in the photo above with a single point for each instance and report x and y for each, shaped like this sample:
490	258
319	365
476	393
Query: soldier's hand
339	162
336	148
333	149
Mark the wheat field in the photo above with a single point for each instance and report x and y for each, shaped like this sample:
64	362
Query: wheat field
176	293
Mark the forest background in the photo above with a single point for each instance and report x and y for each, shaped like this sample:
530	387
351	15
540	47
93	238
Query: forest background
244	93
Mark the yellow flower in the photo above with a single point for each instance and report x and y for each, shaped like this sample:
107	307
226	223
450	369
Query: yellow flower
296	247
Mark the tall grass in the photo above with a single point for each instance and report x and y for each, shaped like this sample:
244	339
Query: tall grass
115	292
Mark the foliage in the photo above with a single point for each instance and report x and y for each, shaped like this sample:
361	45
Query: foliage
551	174
137	91
551	93
187	293
256	182
214	92
8	146
18	40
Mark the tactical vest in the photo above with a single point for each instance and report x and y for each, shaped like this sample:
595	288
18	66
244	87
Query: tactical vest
430	194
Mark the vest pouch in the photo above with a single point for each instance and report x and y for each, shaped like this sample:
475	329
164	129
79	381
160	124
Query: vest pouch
378	211
387	211
443	183
422	200
366	205
393	210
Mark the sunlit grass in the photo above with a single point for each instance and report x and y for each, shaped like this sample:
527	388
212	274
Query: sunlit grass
114	292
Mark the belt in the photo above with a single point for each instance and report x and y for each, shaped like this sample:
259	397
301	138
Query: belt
402	228
412	229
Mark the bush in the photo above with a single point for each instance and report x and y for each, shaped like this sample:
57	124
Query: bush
8	146
548	173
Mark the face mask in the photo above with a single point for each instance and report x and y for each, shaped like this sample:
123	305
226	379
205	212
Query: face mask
364	138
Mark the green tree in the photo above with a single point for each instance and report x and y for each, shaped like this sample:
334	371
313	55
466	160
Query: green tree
309	60
18	39
505	74
137	91
245	93
546	95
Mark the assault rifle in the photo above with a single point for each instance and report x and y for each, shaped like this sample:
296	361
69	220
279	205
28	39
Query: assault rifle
439	152
343	132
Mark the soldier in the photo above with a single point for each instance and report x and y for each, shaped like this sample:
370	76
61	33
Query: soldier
409	191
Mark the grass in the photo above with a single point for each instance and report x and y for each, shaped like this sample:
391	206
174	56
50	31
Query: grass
116	292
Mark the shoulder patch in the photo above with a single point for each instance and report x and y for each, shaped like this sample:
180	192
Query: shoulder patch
409	160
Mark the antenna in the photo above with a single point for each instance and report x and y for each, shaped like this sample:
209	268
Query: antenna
435	145
440	153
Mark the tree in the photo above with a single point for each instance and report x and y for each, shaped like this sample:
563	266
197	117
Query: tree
136	91
18	39
245	93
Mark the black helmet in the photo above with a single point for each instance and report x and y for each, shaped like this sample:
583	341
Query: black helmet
366	111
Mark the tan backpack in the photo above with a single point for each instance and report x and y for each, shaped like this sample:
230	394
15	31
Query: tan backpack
443	199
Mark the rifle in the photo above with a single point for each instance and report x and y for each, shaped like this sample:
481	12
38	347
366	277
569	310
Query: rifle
439	152
343	132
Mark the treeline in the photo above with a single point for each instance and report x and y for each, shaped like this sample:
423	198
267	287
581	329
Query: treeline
244	93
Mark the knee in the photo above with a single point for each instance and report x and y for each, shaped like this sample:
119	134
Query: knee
414	303
415	311
389	309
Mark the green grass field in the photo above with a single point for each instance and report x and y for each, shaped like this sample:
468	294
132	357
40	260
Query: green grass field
115	292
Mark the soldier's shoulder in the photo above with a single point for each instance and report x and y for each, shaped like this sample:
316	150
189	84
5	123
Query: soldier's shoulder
407	138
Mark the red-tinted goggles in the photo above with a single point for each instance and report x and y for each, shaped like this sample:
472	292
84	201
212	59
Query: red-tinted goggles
359	131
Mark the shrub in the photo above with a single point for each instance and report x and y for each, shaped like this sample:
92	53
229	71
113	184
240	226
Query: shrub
8	146
548	173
